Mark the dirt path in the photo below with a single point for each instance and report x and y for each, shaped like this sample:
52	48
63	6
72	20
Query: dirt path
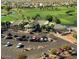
68	38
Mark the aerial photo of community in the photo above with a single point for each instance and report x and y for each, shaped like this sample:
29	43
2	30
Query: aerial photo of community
38	29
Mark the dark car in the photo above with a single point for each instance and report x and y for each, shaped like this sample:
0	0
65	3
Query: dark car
9	34
9	37
25	38
15	36
60	57
29	37
2	36
19	38
3	30
22	38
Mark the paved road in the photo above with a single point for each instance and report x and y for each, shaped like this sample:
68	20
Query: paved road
11	52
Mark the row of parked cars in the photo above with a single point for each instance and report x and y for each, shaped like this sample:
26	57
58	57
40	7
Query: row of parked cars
19	45
32	38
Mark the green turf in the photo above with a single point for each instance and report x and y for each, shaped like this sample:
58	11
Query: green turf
65	19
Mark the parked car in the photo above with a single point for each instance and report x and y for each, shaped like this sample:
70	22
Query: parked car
9	34
2	36
61	57
21	38
24	38
50	39
15	36
29	37
3	30
8	44
43	39
74	53
34	39
19	45
9	37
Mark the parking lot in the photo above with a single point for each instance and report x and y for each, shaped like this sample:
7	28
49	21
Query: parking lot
39	47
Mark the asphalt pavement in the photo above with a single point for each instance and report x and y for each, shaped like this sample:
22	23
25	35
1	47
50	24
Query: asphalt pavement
11	52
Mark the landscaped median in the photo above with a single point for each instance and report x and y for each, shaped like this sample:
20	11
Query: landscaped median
62	52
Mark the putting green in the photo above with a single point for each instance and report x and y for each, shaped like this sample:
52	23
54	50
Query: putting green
60	13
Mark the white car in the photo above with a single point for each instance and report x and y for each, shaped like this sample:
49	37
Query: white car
49	39
41	39
19	45
8	44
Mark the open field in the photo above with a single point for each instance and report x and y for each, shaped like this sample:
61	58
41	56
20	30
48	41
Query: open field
60	12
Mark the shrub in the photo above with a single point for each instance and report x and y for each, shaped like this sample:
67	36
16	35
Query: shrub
57	20
66	47
49	18
75	35
36	17
53	51
21	56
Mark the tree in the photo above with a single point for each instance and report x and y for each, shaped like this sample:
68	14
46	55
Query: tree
21	26
49	18
8	6
36	17
57	20
7	24
3	6
43	27
23	17
33	18
37	28
48	28
2	23
28	18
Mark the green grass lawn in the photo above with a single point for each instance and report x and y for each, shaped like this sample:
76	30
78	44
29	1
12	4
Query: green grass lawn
60	13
